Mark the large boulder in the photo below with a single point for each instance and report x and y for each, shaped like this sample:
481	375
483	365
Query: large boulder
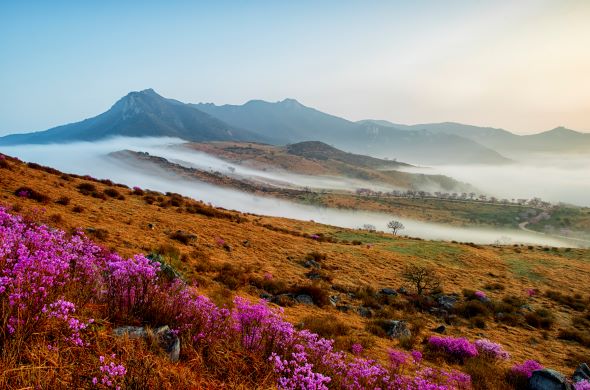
447	302
548	379
388	291
167	339
582	373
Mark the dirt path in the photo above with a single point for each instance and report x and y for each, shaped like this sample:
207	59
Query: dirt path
523	225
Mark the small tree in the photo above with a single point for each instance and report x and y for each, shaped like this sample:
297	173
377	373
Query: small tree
395	226
424	279
369	227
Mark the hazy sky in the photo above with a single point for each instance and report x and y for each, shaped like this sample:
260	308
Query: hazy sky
522	65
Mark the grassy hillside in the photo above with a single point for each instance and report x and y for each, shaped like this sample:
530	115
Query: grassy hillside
536	301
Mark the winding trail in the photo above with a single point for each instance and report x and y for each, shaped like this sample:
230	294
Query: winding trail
523	225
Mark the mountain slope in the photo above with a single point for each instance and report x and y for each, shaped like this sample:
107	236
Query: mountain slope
289	121
558	140
140	114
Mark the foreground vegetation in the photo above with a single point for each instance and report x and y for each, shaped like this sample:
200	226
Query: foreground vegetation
345	285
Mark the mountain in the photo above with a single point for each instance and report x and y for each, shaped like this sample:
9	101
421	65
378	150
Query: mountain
140	114
290	121
558	140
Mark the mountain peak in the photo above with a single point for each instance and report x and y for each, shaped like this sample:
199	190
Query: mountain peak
289	102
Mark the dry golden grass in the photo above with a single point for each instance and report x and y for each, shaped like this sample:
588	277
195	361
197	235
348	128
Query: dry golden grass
278	246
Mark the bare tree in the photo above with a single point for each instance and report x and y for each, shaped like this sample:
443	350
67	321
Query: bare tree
424	279
369	227
395	226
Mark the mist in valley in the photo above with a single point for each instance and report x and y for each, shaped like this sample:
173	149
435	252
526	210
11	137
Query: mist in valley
93	159
553	178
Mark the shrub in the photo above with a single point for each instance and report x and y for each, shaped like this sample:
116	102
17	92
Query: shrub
456	348
542	319
86	188
319	295
328	326
29	193
491	350
77	209
113	193
471	309
63	200
572	334
526	368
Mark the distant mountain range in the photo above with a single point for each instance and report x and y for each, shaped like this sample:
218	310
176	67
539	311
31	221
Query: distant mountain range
145	113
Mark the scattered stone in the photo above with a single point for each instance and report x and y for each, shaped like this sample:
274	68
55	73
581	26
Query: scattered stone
548	379
397	328
440	329
388	291
364	312
582	373
334	299
312	264
167	339
447	301
402	291
313	275
227	247
266	296
150	226
305	299
344	308
246	243
283	300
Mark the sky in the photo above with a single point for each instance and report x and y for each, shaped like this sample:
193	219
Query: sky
520	65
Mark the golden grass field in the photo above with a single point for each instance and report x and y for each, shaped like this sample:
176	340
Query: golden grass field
260	244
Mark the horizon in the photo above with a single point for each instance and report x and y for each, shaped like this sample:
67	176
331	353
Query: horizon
519	67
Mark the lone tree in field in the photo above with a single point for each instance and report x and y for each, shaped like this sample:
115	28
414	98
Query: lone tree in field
395	226
424	279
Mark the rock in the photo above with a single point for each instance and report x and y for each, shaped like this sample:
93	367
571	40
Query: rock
283	300
364	312
266	296
334	299
150	226
388	291
344	308
305	299
447	301
134	332
402	291
312	264
313	275
227	247
396	329
548	379
167	339
581	373
246	243
440	329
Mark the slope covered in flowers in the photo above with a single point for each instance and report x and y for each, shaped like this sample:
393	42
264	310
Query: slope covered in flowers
48	282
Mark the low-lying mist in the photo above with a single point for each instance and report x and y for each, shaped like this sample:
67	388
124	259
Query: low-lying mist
554	178
92	159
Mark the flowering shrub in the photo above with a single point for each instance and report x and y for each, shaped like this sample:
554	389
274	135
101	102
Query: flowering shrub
582	385
491	350
356	349
526	368
112	374
456	347
481	295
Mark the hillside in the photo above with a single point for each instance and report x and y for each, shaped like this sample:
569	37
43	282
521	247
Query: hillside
536	300
316	158
140	114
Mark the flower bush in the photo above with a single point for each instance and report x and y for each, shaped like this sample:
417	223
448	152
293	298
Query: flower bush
526	368
455	347
491	350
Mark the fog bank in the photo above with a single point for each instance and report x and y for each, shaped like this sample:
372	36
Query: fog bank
91	158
